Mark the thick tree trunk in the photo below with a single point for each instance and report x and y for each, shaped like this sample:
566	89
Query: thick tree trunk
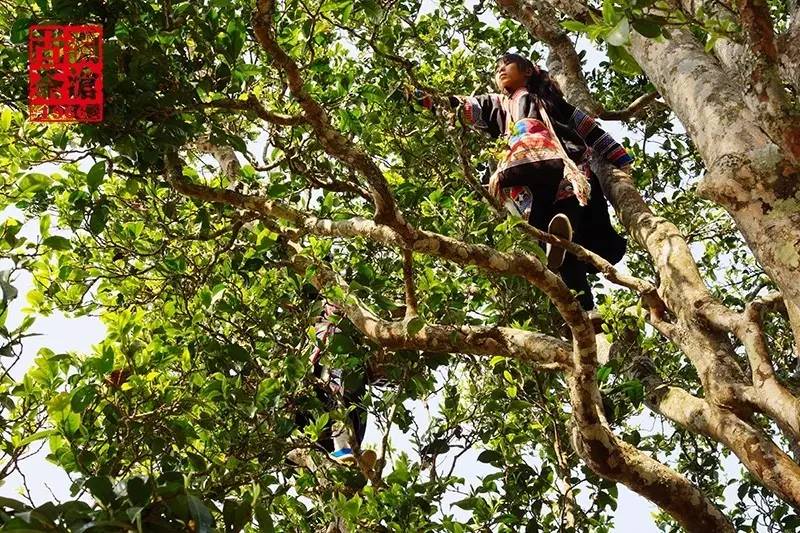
747	174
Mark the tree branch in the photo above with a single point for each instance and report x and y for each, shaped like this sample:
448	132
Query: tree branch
225	156
635	106
539	350
597	444
410	290
252	104
526	266
768	395
334	143
760	456
789	52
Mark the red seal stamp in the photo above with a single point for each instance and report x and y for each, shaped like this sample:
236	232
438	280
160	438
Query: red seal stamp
65	73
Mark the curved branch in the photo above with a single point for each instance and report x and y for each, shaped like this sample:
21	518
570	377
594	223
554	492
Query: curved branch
334	143
668	489
599	447
635	106
766	461
253	104
682	287
526	266
408	279
619	461
541	351
767	394
759	455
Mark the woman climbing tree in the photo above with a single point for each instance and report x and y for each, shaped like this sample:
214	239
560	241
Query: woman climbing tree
338	385
549	144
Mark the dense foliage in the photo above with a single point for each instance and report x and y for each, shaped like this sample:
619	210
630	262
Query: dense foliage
182	418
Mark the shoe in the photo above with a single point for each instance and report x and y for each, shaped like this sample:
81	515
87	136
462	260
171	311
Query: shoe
344	456
560	227
368	459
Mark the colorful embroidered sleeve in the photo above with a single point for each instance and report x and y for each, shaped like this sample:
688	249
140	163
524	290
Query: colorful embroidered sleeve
600	141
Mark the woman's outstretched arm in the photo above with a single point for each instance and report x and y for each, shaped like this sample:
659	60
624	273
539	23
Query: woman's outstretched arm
483	111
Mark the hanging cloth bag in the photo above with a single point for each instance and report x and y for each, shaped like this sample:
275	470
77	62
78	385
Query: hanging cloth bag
580	185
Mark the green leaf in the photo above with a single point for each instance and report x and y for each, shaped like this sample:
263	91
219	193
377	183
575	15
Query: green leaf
82	397
5	118
139	491
341	343
197	461
235	35
105	362
11	503
315	429
19	30
39	435
622	61
608	12
647	28
269	388
95	175
415	325
468	504
44	225
98	219
265	523
620	34
634	390
200	514
56	242
100	487
175	264
372	10
34	182
236	514
495	360
490	456
574	25
237	353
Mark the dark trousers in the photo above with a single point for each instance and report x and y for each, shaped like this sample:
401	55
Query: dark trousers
591	225
354	387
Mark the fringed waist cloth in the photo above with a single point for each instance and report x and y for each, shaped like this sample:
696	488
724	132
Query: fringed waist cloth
530	141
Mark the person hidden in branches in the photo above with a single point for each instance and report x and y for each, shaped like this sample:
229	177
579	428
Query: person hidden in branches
340	386
549	147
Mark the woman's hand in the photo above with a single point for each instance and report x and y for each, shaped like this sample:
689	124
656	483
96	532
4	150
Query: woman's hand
494	187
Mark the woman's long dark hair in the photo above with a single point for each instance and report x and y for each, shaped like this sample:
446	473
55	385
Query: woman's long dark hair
540	84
